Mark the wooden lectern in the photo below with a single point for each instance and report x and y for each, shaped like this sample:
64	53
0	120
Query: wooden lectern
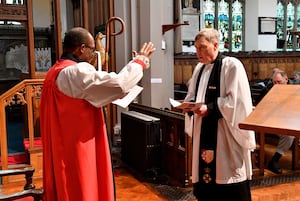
277	113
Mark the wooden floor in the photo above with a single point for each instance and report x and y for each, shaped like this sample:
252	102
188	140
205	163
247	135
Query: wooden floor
129	188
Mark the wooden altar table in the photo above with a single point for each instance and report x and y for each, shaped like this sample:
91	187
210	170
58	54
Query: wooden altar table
277	113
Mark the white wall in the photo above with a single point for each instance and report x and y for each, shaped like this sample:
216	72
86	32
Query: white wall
267	42
163	60
42	13
125	42
251	25
144	20
255	41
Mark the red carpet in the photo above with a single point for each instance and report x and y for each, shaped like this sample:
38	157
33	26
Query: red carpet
37	142
22	157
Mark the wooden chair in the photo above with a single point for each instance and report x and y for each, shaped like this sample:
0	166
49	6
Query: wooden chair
29	192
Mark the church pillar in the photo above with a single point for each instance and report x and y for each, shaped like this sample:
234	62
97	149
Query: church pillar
144	20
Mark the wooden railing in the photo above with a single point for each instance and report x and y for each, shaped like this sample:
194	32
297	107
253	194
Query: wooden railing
23	93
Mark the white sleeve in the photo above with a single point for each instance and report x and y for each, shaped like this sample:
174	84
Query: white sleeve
99	88
235	102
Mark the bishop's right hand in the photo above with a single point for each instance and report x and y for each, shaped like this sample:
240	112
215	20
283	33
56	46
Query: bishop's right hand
145	53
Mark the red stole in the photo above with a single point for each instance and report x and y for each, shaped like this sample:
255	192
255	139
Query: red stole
76	153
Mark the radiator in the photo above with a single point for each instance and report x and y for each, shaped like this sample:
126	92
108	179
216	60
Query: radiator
141	142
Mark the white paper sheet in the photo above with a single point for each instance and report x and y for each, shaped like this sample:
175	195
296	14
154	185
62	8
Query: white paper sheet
174	103
126	100
187	105
184	105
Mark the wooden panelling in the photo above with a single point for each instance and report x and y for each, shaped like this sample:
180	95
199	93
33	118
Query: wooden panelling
178	73
258	65
36	160
187	73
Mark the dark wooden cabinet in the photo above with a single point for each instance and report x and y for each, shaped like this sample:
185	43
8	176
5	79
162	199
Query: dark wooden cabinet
176	145
141	142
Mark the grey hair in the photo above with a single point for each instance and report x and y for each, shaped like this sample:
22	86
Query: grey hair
282	73
296	73
210	34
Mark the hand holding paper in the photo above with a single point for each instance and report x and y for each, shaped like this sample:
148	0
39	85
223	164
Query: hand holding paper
182	105
199	108
126	100
186	105
189	106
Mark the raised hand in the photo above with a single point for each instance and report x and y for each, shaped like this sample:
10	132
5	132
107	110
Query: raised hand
146	50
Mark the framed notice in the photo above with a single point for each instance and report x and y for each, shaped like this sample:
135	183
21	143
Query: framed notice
267	25
189	32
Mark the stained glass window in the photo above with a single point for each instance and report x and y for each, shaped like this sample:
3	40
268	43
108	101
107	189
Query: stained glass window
223	24
229	22
209	13
225	15
237	25
280	21
290	16
288	24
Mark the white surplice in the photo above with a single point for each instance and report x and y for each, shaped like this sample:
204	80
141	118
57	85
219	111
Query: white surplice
234	146
99	88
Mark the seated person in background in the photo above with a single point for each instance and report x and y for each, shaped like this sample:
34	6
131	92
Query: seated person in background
285	141
296	76
265	86
270	82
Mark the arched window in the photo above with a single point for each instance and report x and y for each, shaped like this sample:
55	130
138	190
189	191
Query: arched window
288	24
225	15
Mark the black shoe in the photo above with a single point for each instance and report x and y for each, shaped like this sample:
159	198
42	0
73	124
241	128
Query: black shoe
274	167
